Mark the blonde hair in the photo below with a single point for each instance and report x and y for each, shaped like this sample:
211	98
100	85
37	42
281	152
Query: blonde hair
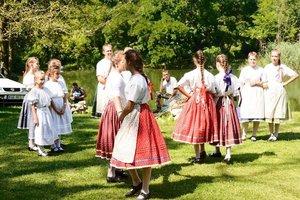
222	59
253	53
117	57
37	74
54	61
279	54
29	63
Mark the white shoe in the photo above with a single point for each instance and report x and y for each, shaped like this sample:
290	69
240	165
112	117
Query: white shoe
253	139
244	137
42	153
272	138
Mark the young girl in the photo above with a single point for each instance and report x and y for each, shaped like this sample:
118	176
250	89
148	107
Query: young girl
139	142
197	122
60	109
252	94
40	101
110	123
275	94
25	119
228	123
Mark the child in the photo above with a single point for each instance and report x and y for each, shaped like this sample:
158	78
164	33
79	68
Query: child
60	110
110	123
25	119
275	94
228	122
197	122
40	101
252	94
139	142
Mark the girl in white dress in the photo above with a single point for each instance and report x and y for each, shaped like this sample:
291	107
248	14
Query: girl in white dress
252	94
275	94
25	119
60	110
40	102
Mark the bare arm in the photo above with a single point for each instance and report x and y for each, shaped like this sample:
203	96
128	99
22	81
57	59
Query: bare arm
35	117
117	102
128	108
290	80
101	79
180	88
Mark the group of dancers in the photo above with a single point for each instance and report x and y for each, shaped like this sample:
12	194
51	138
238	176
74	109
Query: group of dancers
45	110
128	134
130	138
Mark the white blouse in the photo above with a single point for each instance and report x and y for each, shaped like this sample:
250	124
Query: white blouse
137	89
274	73
115	85
192	80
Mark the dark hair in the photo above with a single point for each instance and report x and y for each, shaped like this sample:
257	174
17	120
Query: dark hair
134	61
74	84
200	59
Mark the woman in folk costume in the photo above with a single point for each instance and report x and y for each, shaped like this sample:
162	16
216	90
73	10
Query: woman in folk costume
110	123
25	119
139	142
197	122
227	86
252	106
275	94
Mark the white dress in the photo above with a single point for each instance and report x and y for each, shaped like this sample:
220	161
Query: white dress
43	133
252	106
103	69
275	96
62	123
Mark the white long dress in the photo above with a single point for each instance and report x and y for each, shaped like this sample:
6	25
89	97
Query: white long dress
103	69
275	96
43	133
252	106
62	123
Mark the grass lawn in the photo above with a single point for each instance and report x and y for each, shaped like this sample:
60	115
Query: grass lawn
260	170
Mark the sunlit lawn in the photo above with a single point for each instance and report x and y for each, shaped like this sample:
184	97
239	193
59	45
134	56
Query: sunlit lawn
260	170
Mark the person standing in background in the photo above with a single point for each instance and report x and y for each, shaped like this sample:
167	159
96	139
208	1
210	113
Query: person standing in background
102	71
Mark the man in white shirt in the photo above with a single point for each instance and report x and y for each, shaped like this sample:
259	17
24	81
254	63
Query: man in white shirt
166	90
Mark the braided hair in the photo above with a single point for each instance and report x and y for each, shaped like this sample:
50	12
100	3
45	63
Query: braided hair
200	59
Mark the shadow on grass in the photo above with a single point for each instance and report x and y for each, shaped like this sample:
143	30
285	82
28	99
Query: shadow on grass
25	190
284	136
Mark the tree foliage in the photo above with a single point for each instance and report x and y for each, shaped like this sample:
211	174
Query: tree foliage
166	32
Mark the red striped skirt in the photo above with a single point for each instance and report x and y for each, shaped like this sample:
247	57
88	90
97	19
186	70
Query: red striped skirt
229	125
107	131
197	123
151	148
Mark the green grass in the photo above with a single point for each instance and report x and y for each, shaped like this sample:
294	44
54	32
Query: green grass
261	170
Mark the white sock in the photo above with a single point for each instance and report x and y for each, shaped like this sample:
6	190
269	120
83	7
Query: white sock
31	143
228	152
